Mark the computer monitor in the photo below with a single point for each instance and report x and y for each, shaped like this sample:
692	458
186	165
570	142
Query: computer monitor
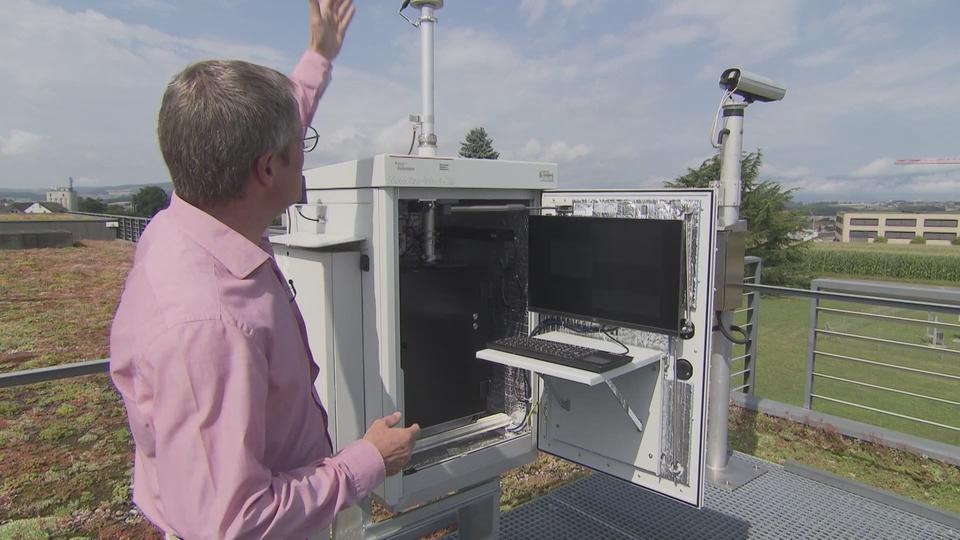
612	271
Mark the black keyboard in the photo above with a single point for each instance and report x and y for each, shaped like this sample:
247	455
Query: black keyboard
560	353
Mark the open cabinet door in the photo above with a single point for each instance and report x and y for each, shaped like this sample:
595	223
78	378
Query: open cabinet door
648	425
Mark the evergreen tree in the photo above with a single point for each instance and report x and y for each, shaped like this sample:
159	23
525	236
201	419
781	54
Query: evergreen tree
478	145
769	223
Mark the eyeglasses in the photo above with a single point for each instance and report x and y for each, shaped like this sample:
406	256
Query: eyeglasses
310	139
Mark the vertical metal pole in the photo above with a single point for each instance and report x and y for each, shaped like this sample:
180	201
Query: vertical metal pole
430	234
730	163
428	136
811	347
719	396
719	390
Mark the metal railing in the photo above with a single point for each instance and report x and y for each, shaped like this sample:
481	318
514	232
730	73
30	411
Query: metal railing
53	373
129	228
815	350
899	297
747	384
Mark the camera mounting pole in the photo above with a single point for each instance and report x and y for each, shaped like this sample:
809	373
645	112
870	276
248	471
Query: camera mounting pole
723	471
427	142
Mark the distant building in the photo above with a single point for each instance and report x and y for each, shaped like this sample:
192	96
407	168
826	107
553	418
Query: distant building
44	208
898	227
64	196
15	208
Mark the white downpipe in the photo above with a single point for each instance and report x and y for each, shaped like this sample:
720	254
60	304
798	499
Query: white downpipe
428	135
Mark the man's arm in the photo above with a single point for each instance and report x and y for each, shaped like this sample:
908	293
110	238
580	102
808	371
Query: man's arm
210	427
329	20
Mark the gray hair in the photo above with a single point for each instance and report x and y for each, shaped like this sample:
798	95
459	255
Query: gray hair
216	118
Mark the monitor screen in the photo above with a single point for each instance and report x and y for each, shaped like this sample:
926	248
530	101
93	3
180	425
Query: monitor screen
618	271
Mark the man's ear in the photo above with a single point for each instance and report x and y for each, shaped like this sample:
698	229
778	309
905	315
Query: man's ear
263	168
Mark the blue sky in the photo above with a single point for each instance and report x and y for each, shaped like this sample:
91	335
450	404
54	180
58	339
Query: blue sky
620	93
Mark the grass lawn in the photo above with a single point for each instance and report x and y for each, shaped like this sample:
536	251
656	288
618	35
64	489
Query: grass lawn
782	361
66	453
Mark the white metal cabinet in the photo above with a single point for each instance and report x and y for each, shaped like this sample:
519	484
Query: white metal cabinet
330	277
359	200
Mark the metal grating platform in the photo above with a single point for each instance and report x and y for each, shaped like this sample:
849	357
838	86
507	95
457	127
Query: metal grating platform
776	505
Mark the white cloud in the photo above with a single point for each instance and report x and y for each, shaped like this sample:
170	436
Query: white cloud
557	151
18	143
881	179
854	15
535	10
943	186
158	6
94	83
475	50
879	167
750	31
646	41
105	54
784	173
887	167
820	58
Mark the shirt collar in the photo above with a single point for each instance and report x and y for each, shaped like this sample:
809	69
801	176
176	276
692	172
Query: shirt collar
239	255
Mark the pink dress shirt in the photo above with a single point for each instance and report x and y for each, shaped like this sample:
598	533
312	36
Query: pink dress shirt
210	354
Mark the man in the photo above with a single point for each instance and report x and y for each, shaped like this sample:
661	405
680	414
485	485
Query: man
208	347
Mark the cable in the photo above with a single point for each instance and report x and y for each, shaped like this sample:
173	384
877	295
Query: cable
580	329
716	117
626	350
299	211
552	322
413	140
726	333
526	400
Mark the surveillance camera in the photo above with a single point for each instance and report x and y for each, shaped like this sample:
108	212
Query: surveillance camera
751	87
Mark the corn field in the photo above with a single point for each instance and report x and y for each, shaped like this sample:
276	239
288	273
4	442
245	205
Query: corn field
879	264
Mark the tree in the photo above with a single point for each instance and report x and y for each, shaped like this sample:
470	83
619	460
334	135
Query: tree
149	200
478	145
769	223
89	204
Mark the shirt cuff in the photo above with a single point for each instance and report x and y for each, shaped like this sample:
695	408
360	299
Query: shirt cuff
365	465
314	62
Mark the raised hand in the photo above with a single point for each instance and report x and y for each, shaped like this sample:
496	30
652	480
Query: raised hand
329	20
